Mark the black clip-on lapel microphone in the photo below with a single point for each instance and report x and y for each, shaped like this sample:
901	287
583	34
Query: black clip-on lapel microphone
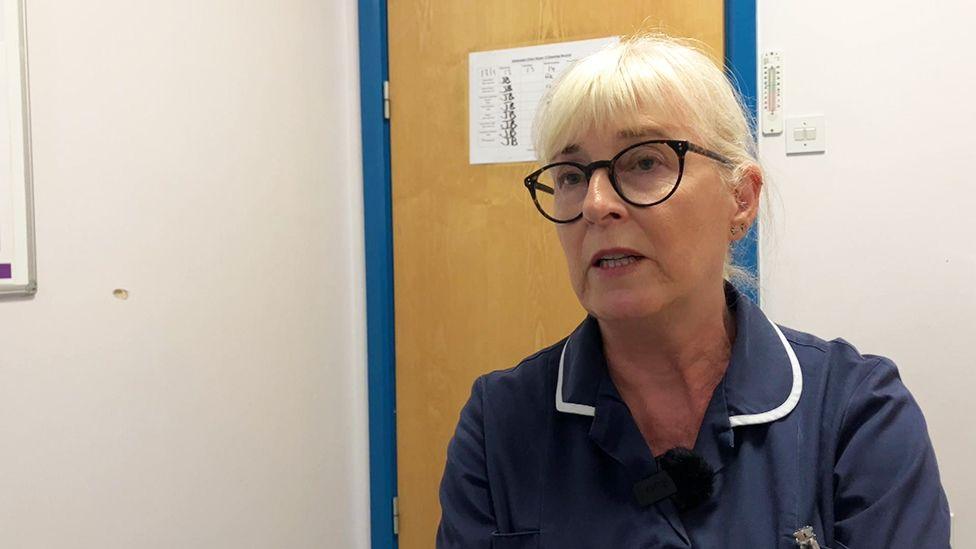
684	476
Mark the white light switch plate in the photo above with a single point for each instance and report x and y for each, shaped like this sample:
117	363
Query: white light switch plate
805	134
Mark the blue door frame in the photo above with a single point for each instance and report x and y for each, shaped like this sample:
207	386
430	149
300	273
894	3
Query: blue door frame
741	59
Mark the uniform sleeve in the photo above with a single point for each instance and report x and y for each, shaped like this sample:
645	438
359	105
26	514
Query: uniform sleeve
887	488
467	520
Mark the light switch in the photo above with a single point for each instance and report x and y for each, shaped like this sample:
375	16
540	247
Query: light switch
805	134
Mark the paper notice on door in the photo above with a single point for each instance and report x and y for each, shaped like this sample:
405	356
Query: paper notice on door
505	87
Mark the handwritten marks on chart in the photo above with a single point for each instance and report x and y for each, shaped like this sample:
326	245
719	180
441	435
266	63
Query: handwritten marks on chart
505	87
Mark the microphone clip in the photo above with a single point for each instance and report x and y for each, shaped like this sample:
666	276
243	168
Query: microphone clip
654	488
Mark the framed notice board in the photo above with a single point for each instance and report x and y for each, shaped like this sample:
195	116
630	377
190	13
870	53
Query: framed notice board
17	264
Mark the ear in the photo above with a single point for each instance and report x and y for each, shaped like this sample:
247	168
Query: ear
746	194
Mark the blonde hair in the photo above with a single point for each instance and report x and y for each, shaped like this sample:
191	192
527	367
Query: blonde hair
625	84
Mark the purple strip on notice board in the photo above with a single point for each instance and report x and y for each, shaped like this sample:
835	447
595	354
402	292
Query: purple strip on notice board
5	271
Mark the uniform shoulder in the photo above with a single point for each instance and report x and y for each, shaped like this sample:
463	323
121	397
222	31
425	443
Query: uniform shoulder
837	353
518	402
836	367
531	373
875	453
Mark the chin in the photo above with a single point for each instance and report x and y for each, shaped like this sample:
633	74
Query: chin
623	306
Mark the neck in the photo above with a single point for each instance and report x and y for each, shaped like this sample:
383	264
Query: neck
683	348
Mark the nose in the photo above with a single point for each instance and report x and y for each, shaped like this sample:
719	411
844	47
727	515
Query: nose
602	203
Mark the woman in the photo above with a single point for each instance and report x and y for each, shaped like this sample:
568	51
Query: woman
650	176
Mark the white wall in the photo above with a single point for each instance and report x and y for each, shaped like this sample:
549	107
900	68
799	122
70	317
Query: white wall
205	156
873	240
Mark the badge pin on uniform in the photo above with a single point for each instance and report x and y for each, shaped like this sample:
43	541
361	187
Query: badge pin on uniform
806	538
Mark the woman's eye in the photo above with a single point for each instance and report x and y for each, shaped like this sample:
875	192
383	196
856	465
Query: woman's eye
646	163
569	179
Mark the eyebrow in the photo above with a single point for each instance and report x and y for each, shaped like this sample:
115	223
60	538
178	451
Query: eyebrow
647	131
627	133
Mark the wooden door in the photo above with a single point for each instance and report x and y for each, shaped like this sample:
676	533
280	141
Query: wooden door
480	281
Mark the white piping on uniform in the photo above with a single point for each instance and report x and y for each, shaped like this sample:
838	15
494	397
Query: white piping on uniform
787	406
569	407
735	421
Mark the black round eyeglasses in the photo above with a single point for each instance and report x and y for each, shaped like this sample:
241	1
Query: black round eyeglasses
644	174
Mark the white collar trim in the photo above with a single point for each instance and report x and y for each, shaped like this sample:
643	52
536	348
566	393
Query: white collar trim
735	421
569	407
787	406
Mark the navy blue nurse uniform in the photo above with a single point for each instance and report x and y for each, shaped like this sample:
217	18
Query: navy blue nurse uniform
800	431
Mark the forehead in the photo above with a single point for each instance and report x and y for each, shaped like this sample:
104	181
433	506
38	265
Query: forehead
624	135
625	86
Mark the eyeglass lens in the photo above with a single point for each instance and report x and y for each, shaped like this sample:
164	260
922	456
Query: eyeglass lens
644	175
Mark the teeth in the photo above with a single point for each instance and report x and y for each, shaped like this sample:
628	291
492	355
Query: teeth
617	262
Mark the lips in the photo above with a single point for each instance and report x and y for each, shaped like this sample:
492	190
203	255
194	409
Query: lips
614	257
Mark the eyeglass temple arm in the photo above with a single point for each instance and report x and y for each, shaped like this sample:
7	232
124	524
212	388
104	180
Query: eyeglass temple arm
705	152
543	188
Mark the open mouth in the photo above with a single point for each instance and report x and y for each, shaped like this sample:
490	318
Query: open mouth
617	261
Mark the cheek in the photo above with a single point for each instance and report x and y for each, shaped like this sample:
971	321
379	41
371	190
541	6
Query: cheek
571	242
688	235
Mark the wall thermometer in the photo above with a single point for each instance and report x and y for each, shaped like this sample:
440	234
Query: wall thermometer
772	93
